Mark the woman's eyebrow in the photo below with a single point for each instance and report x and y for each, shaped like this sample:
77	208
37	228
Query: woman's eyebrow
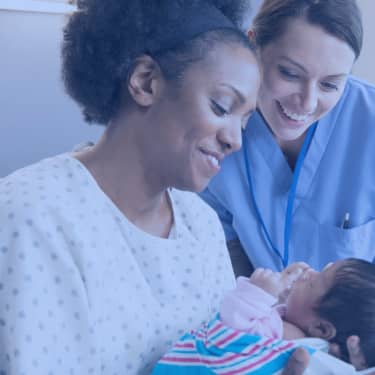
295	63
240	96
337	76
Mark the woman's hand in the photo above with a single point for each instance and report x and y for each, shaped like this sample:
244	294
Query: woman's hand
297	362
356	356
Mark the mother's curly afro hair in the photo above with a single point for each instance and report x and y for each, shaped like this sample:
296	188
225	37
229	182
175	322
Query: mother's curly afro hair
102	39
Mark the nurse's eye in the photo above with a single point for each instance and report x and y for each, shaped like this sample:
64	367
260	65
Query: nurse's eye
218	109
329	86
286	73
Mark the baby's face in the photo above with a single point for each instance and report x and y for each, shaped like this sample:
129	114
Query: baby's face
305	294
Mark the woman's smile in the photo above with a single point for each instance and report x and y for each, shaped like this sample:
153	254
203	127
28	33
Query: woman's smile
211	161
291	118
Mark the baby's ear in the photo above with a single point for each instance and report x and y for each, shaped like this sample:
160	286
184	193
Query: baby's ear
323	329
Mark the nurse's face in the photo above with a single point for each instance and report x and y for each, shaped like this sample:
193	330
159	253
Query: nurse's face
304	75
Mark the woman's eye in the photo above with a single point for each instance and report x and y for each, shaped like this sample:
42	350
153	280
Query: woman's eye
218	109
329	86
287	73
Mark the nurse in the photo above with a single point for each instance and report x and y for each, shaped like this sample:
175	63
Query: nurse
302	188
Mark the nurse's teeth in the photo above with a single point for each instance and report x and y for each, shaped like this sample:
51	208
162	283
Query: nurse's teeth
294	116
213	160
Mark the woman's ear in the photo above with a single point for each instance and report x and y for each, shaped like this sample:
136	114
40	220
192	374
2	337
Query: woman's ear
144	80
323	329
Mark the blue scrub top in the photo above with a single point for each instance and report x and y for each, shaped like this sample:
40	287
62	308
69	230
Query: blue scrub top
337	177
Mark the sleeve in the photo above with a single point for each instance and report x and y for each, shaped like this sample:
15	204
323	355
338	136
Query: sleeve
44	311
249	308
225	216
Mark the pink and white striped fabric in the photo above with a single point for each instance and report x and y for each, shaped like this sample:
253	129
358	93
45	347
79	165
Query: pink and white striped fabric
218	349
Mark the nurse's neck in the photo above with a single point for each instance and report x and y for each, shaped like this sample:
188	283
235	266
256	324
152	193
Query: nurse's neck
291	149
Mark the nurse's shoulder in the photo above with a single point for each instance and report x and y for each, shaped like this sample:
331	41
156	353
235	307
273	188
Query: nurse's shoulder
359	96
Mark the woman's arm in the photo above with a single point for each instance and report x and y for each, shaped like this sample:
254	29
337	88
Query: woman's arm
240	261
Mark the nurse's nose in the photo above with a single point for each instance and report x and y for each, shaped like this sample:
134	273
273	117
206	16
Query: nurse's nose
309	98
230	137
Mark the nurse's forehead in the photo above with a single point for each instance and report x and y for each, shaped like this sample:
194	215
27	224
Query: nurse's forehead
311	44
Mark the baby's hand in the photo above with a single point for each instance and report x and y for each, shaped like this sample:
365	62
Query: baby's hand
292	273
267	280
289	276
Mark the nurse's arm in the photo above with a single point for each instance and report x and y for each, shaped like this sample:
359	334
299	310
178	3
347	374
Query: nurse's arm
240	261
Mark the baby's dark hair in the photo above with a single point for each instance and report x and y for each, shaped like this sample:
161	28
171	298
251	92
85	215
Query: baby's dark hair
103	38
350	306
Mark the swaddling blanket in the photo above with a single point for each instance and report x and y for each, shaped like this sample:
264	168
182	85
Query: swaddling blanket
218	349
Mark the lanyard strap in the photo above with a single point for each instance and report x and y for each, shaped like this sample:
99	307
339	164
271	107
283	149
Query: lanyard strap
291	196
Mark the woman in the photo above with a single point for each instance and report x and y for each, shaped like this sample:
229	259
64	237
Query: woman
301	188
104	263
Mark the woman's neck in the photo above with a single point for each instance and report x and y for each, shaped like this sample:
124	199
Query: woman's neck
291	149
117	165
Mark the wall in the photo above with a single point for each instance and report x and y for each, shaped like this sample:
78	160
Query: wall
37	119
365	66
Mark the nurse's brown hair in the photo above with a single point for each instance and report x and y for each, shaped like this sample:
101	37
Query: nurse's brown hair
340	18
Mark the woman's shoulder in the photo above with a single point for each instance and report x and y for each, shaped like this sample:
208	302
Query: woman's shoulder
360	88
356	102
37	186
360	83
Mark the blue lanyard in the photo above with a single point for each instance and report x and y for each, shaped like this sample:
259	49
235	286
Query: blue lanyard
291	197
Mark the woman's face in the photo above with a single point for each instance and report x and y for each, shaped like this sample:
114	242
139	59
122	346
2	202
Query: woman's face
199	121
304	75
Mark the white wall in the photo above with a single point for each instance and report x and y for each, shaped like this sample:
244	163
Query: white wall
37	119
365	66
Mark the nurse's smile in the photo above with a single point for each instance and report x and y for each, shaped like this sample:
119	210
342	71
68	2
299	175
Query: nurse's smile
291	118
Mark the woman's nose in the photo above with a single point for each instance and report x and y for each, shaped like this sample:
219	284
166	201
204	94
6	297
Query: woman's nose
230	137
309	98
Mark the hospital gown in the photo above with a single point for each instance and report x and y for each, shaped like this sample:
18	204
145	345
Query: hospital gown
337	177
83	290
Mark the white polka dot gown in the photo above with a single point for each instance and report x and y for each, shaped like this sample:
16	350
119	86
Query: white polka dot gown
84	291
